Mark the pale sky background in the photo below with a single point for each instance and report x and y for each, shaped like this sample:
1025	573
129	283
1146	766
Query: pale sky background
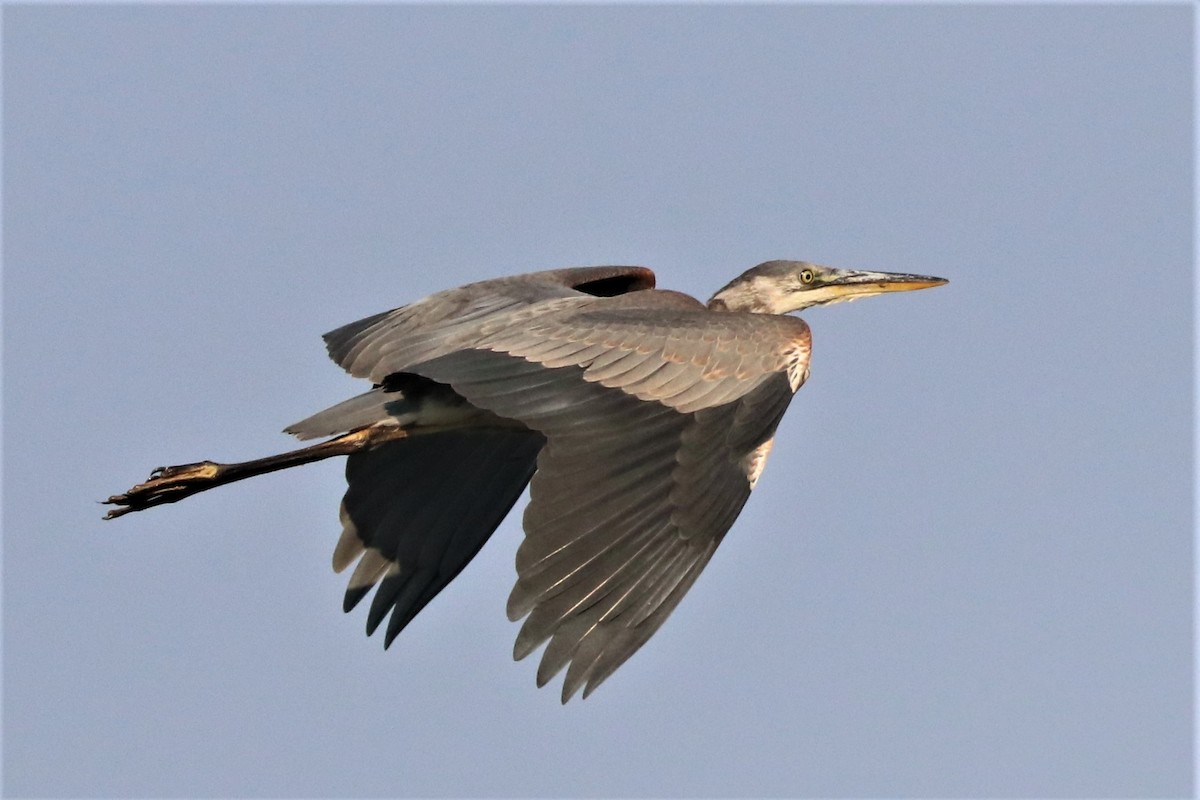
967	570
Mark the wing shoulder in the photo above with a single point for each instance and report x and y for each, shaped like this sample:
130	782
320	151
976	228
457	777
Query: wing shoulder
663	347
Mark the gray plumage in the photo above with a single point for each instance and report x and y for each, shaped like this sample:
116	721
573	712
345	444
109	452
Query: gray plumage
643	417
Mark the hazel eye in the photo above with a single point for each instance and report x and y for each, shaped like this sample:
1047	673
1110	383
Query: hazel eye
806	276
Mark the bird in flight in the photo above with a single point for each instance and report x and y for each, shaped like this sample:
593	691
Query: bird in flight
640	418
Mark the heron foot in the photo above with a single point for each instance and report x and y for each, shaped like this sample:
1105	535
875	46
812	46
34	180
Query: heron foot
166	485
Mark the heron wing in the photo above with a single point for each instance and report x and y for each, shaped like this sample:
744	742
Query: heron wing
395	340
416	511
633	492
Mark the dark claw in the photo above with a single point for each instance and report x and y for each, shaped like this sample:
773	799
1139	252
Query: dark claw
113	513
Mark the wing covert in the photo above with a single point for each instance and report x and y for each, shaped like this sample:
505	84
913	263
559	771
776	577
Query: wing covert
394	340
659	348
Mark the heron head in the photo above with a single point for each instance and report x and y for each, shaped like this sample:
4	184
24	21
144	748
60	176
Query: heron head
779	287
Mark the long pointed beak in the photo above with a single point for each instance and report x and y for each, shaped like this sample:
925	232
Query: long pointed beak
856	282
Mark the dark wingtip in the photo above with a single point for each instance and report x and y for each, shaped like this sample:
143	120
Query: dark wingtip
353	596
399	621
394	629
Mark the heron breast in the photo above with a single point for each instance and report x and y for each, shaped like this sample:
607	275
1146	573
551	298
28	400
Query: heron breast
796	357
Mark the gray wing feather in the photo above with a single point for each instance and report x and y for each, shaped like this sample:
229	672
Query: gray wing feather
609	551
395	340
658	346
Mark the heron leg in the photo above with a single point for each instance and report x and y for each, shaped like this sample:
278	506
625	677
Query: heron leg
172	484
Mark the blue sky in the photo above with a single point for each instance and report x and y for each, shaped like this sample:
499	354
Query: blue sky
966	571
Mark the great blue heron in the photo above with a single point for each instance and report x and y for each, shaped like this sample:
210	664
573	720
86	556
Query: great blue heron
643	417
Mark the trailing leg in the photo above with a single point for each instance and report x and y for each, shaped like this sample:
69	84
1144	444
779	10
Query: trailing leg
172	484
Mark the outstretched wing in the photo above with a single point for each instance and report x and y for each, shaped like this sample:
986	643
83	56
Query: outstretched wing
417	510
393	341
657	416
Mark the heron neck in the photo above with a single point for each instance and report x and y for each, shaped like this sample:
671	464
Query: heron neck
734	300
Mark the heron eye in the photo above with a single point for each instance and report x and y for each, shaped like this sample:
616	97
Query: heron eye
806	276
